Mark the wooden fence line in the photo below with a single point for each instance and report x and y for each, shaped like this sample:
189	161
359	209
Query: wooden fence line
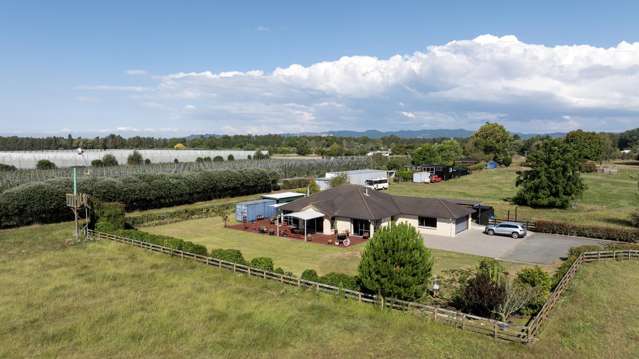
464	321
491	327
535	324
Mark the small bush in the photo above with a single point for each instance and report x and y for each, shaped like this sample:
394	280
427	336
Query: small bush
311	275
45	165
609	233
229	255
264	263
634	219
536	278
7	168
135	159
588	167
110	217
97	163
340	280
491	268
482	296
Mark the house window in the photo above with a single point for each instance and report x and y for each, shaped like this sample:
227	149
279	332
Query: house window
430	222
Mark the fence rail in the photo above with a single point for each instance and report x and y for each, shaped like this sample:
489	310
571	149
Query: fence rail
535	324
529	225
491	327
464	321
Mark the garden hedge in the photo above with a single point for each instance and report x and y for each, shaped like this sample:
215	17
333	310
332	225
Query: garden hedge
44	202
609	233
170	242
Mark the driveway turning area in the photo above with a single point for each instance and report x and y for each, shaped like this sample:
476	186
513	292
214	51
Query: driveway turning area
537	248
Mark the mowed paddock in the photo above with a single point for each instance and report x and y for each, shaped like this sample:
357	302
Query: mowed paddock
104	299
296	255
609	199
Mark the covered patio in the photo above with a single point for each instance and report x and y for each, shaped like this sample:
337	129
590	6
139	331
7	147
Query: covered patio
270	227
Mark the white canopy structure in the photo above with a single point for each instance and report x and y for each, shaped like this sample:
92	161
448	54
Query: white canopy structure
306	215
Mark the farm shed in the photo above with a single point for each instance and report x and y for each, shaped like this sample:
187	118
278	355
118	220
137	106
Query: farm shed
421	177
283	197
253	210
356	177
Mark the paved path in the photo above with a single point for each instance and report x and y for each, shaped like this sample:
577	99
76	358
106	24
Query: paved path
538	248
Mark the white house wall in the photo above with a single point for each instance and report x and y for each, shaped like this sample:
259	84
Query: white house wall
445	227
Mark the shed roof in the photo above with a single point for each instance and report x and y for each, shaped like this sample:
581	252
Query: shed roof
282	195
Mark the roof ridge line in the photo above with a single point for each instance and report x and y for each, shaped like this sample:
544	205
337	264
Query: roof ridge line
452	215
370	213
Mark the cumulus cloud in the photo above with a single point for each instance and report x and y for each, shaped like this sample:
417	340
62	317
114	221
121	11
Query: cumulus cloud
528	87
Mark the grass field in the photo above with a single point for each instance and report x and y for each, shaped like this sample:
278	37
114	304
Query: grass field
294	255
110	300
608	201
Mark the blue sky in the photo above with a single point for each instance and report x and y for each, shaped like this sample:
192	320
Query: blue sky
174	68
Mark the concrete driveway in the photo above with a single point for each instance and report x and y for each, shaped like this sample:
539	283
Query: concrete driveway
537	248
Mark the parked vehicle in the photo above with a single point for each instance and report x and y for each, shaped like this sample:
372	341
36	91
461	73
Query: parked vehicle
435	179
513	229
377	184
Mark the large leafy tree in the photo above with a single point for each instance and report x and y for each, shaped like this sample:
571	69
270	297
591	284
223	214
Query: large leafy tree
493	141
553	179
395	263
590	145
444	153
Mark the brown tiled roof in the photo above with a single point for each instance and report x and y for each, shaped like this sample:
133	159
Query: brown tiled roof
352	201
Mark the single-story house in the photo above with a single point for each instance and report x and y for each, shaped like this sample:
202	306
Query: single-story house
359	210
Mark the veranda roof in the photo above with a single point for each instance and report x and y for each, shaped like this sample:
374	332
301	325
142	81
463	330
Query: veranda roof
306	215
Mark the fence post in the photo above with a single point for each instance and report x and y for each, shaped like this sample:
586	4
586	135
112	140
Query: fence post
495	329
462	320
233	267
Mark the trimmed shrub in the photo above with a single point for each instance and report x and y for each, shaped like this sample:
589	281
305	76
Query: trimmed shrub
7	168
340	280
395	263
135	159
45	165
44	202
229	255
166	241
609	233
264	263
109	160
97	163
310	274
294	183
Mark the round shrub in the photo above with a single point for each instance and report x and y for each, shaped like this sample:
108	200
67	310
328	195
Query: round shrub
310	275
229	255
536	278
395	263
340	280
264	263
110	217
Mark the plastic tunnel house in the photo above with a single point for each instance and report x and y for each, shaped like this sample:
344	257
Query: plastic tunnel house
253	210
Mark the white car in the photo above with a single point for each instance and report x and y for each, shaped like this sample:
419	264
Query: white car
377	184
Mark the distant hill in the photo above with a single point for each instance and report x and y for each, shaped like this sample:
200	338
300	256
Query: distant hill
436	133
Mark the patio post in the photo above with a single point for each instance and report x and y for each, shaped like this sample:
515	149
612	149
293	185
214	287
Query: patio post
304	230
277	225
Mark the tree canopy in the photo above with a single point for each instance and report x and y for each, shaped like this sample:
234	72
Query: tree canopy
395	263
135	159
444	153
590	145
494	141
553	179
45	165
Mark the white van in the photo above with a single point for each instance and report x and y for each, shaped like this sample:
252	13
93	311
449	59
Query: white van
377	184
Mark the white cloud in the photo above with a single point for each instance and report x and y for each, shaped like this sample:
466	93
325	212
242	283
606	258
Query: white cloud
263	28
460	84
137	72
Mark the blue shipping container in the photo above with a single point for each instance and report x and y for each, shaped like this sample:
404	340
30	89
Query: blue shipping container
252	210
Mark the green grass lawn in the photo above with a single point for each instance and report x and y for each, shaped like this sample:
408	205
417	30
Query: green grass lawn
294	255
105	299
608	201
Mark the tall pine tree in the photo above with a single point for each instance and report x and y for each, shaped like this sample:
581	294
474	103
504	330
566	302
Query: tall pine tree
553	179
